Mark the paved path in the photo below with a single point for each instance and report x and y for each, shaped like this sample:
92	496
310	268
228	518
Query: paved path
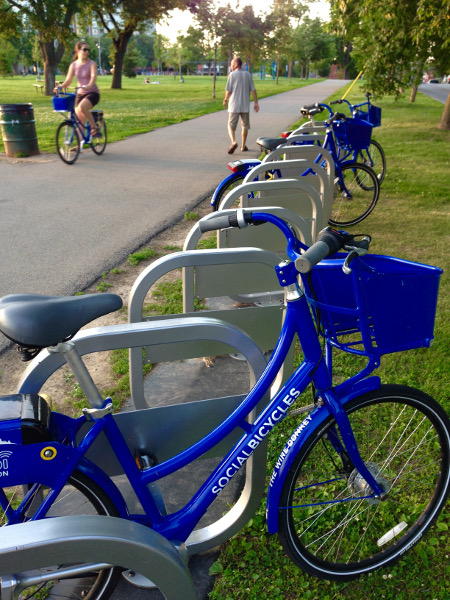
61	226
438	91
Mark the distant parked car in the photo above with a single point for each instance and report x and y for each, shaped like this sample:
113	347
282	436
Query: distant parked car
433	81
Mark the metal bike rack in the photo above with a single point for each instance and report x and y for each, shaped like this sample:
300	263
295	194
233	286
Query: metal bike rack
86	539
288	193
323	181
165	430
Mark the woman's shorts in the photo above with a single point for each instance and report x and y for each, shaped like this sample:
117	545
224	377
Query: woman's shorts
234	117
93	97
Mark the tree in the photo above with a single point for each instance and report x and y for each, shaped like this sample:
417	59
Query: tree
211	21
133	58
311	44
160	49
284	14
121	19
393	40
7	57
51	19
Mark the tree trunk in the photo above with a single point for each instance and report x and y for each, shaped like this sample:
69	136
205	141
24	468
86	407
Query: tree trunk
278	67
120	46
50	58
215	72
290	69
417	80
444	123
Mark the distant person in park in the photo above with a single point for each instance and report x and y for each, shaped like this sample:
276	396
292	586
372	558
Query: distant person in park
237	91
88	94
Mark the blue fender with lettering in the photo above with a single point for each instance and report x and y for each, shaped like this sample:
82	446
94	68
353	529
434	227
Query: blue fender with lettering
311	425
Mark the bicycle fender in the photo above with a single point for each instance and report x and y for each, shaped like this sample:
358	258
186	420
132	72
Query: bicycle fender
223	184
310	426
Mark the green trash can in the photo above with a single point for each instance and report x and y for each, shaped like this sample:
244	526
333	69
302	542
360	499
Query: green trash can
18	130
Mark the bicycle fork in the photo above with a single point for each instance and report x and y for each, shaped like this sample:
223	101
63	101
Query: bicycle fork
349	452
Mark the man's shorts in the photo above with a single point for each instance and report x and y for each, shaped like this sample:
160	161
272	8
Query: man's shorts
234	117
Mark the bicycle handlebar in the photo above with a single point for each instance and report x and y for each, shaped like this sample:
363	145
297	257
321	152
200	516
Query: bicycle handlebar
329	240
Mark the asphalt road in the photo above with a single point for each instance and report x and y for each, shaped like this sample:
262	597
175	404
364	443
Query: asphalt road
438	91
61	226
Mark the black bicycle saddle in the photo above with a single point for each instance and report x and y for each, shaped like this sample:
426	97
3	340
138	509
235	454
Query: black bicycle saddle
270	143
35	321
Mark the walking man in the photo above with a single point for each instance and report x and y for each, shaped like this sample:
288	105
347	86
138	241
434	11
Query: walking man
238	88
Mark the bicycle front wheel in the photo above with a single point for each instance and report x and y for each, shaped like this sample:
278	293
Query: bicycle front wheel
98	144
233	183
67	142
356	193
81	496
403	437
375	159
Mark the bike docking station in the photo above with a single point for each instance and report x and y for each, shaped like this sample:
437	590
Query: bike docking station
160	431
38	544
150	559
239	271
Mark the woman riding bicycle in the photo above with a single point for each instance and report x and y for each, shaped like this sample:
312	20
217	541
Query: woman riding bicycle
88	94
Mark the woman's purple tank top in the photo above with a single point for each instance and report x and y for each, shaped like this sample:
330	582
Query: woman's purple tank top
83	75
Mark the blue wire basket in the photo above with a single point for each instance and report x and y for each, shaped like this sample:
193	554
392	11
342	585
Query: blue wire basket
385	305
352	134
64	102
372	116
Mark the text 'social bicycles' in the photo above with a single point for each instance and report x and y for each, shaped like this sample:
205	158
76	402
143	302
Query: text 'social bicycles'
72	135
356	186
362	477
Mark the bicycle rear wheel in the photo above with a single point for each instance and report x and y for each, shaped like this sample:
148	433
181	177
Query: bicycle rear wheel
98	145
67	142
356	194
403	437
375	159
81	496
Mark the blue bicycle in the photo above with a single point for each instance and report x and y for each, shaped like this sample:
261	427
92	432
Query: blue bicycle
362	477
356	186
72	134
374	155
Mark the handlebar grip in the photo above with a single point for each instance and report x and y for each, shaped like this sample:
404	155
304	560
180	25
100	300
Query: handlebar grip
336	102
311	257
216	222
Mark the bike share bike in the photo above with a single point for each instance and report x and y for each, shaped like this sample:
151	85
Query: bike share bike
362	477
72	135
356	185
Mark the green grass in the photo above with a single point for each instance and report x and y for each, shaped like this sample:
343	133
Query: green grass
137	108
410	221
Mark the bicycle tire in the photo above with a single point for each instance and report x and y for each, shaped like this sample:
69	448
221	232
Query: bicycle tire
224	191
342	540
83	496
98	145
375	159
67	142
355	196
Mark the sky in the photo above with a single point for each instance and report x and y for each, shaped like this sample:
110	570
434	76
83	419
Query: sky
180	20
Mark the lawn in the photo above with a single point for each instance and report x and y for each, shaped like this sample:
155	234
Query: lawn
411	221
138	107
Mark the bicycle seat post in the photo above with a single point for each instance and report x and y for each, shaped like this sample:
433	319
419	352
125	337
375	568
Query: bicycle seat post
82	375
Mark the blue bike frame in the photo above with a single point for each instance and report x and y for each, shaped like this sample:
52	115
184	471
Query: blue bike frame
66	455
